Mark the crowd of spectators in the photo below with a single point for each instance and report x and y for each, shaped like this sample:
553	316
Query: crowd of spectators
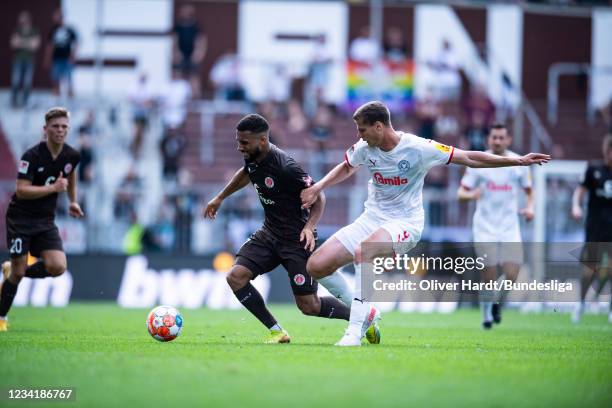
59	56
451	108
294	105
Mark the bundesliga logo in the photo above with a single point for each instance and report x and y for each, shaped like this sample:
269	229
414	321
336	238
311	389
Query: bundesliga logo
395	181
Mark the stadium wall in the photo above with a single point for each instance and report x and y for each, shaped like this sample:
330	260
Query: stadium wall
548	39
276	40
129	36
504	45
601	85
219	21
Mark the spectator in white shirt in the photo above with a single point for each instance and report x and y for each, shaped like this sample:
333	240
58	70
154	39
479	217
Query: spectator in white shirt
364	48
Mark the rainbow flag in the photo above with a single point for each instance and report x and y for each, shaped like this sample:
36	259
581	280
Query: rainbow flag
388	81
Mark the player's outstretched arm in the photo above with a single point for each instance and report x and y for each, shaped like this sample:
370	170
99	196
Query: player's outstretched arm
238	181
316	212
75	209
26	191
477	159
339	173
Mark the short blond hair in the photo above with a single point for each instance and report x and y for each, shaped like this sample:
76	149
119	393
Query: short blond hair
56	112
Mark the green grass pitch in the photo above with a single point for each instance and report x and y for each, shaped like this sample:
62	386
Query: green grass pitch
434	360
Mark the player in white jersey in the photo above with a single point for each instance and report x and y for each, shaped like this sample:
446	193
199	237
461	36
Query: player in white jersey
496	220
393	215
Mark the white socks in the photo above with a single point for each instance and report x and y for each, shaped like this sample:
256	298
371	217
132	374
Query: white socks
337	285
359	308
486	305
487	311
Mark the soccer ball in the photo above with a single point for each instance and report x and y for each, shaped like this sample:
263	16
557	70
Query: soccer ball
164	323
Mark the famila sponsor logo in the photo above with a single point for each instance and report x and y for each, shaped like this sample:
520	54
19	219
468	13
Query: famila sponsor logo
491	186
394	181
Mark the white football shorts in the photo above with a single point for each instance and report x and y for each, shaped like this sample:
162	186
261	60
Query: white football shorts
498	249
404	234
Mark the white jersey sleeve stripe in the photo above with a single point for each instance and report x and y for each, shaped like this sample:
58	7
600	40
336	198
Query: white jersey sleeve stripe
451	155
346	159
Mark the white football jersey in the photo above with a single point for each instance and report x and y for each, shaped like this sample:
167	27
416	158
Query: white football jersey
497	209
396	187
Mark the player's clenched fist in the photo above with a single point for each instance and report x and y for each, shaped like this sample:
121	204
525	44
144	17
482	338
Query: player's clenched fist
576	213
75	210
61	184
528	213
211	208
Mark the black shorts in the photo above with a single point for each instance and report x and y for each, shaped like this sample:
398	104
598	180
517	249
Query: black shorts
25	235
263	252
594	252
598	244
598	234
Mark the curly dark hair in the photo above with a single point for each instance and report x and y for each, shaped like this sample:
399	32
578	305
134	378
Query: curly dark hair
253	123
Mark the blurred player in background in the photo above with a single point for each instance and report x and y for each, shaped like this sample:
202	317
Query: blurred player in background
393	217
45	170
288	235
496	220
598	183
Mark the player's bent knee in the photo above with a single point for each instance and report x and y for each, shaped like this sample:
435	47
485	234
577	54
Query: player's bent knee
357	256
311	267
234	282
18	273
238	278
56	269
316	268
